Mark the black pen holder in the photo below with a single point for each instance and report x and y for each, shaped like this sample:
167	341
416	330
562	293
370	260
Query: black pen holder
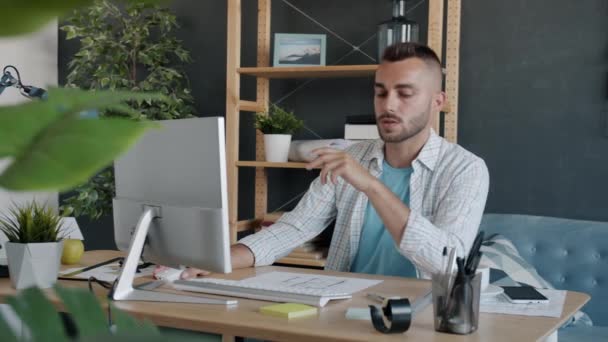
456	310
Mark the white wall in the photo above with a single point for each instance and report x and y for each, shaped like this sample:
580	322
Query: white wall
35	56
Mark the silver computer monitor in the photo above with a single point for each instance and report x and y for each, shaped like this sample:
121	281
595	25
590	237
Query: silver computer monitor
180	170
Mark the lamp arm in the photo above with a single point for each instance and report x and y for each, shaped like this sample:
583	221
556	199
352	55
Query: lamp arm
28	91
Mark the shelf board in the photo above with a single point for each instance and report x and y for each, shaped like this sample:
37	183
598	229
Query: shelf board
290	165
246	225
302	262
333	71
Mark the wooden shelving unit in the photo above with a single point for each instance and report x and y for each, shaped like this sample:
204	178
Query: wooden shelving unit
263	72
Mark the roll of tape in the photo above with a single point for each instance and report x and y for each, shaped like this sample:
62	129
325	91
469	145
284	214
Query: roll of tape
397	312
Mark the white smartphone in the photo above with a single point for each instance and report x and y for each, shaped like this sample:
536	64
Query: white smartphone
523	295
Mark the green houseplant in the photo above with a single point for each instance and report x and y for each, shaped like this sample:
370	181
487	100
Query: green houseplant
34	246
277	125
125	45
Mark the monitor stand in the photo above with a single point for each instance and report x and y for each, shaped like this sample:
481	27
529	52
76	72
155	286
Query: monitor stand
123	288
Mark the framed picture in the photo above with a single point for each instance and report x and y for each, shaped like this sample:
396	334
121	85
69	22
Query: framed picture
299	49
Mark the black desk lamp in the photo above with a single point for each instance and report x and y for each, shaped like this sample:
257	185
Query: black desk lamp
31	92
28	91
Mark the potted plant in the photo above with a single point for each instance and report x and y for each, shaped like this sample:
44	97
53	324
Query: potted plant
34	245
277	125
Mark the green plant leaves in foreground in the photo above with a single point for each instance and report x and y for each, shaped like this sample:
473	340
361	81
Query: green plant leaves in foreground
41	319
20	17
86	312
37	312
53	148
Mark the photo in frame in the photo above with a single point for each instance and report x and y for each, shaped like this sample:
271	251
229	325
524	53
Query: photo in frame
295	50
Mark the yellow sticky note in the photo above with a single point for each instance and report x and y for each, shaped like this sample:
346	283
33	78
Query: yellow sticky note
289	310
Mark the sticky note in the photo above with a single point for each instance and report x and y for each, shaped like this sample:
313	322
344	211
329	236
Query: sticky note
289	310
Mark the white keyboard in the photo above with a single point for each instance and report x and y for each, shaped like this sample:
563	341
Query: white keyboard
235	288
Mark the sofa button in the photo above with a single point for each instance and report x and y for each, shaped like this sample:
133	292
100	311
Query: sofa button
594	282
533	250
562	279
565	252
597	256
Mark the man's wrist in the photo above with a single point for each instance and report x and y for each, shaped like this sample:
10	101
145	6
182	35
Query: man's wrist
373	186
241	256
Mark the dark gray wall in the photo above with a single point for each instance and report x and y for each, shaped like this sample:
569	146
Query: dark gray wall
534	98
533	94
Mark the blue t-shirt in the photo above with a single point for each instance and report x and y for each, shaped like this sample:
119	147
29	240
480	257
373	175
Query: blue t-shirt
378	252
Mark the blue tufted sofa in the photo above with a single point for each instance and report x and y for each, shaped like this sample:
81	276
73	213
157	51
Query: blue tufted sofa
570	254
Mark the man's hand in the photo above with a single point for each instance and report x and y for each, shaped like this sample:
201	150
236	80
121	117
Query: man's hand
167	273
190	273
336	163
240	256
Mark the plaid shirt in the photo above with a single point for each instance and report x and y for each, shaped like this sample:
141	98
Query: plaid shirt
448	191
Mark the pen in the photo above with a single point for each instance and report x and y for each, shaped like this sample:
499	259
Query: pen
474	249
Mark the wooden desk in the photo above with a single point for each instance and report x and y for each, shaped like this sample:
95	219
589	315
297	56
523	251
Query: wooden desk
330	325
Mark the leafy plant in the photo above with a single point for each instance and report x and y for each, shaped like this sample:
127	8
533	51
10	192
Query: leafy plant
53	148
135	49
94	198
31	223
278	121
128	47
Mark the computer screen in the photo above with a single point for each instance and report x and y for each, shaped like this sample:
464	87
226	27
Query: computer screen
181	170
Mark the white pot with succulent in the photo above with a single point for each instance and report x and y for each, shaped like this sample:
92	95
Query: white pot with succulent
34	245
277	125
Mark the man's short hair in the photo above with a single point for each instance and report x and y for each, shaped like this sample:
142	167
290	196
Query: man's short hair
402	51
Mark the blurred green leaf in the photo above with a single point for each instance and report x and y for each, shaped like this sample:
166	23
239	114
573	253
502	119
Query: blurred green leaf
86	312
6	332
125	324
20	17
53	148
37	312
70	152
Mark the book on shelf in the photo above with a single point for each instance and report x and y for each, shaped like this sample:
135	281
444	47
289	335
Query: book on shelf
369	119
305	248
312	249
313	254
360	131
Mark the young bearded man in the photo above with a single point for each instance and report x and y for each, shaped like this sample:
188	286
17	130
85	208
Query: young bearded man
397	201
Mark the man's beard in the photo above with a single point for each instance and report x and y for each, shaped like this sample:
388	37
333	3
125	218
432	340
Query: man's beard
417	124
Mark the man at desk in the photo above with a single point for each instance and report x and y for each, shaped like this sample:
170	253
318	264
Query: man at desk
397	201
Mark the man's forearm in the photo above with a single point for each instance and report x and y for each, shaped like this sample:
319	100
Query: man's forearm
241	256
392	211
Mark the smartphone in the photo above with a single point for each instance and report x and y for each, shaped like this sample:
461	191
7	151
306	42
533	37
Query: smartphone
523	295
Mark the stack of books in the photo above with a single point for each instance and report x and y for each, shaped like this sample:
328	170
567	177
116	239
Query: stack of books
360	127
312	249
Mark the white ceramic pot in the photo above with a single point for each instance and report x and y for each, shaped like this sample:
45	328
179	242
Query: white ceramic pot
34	264
276	147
